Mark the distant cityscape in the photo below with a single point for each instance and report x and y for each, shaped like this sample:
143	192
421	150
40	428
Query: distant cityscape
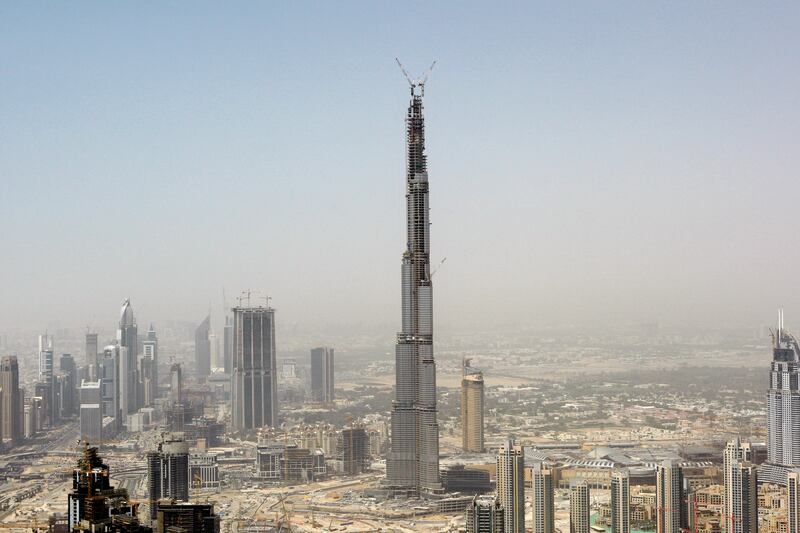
218	427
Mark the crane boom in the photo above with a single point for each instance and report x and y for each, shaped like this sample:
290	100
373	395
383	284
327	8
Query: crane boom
418	82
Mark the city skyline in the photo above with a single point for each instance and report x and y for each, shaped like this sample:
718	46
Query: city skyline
603	194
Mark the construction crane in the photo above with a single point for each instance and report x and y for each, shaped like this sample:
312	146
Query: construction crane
465	362
242	297
314	522
435	270
286	455
418	82
285	523
254	519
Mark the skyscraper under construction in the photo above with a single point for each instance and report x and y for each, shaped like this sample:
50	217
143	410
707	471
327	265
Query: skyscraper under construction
472	397
254	395
168	472
413	461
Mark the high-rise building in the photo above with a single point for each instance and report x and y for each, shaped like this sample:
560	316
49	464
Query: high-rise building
168	471
110	384
202	348
671	504
745	480
147	369
91	357
175	384
91	412
63	396
10	401
542	505
748	477
127	388
620	502
735	452
89	479
34	414
93	504
45	363
353	450
472	396
188	517
47	377
783	407
579	508
227	345
511	486
59	391
793	500
254	396
413	461
68	401
322	375
484	515
740	512
215	354
150	349
128	340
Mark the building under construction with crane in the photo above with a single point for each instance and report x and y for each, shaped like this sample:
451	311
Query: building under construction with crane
413	462
254	398
94	505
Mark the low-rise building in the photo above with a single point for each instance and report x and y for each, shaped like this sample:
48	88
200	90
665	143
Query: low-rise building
204	471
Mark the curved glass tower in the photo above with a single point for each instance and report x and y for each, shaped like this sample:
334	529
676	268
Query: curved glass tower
413	461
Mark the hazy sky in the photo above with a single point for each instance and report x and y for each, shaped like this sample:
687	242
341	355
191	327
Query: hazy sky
604	160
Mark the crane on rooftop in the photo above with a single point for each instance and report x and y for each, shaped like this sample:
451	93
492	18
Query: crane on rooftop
418	82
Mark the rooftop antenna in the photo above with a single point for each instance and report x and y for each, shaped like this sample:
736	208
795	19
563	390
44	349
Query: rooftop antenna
418	82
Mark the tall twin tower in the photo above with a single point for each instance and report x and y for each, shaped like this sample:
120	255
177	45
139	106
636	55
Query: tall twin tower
413	462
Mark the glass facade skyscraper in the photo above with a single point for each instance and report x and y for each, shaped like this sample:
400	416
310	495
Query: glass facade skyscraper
322	375
783	408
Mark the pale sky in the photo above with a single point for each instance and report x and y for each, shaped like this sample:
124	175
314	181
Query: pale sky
588	161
